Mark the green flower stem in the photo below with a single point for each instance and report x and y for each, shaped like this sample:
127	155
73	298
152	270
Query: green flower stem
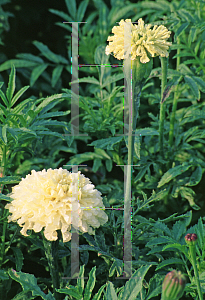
192	249
5	211
3	237
132	126
176	97
133	95
127	202
51	251
162	105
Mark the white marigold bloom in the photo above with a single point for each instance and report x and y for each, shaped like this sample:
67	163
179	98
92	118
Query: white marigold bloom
138	40
46	199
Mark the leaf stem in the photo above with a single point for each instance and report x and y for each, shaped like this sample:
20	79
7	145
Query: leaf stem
176	97
3	237
51	252
192	249
162	105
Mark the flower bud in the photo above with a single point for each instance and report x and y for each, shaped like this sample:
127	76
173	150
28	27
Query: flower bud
173	285
141	71
191	239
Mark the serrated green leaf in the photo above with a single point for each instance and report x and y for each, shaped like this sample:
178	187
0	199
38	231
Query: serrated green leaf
88	79
50	133
72	291
141	173
37	71
200	233
49	54
28	283
96	164
155	287
159	241
61	14
68	28
172	173
110	292
169	87
5	198
170	261
192	35
190	61
119	13
107	143
37	242
18	258
71	7
112	79
180	30
10	179
158	6
79	158
15	131
18	63
54	114
24	295
155	197
48	122
80	280
20	106
195	177
24	149
183	54
81	10
18	94
200	82
3	97
179	228
98	295
134	285
146	131
30	57
188	194
118	266
185	70
3	133
180	247
194	87
184	14
46	101
3	275
56	75
90	284
11	85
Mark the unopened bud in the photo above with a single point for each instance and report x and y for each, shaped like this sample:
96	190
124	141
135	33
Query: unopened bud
141	71
191	239
173	285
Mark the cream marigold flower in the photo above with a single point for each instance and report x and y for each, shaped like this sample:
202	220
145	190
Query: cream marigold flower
46	199
145	42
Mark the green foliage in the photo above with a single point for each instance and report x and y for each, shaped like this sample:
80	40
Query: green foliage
29	284
26	122
35	133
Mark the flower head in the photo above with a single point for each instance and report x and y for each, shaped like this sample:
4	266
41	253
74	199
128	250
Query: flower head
46	199
138	40
173	285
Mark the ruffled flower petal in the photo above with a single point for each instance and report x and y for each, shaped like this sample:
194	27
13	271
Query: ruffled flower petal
53	200
138	40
